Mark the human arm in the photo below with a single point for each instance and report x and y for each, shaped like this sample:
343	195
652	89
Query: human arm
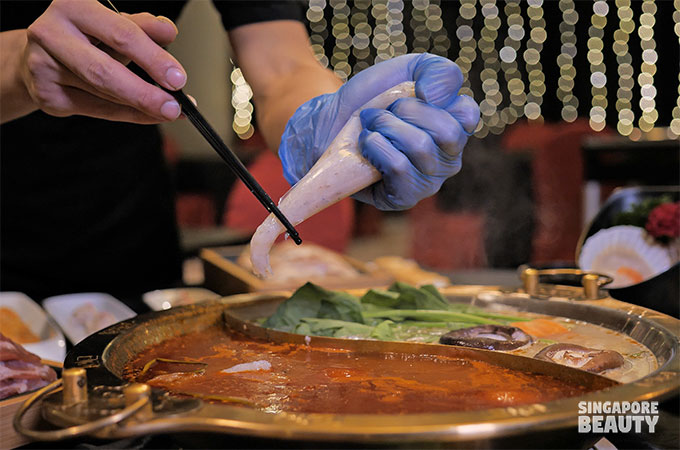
71	60
277	61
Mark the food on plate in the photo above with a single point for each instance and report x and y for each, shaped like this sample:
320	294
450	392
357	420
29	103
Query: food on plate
20	370
407	313
589	359
14	328
189	296
162	299
408	271
313	378
91	319
626	253
340	172
643	242
489	337
304	262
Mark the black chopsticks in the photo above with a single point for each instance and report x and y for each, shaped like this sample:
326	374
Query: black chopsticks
235	164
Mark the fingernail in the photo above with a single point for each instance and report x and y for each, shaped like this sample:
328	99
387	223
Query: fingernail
166	20
175	77
170	110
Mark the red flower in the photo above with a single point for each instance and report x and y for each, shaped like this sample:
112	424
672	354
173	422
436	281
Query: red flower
664	221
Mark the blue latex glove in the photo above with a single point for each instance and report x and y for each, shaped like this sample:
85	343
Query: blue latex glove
416	144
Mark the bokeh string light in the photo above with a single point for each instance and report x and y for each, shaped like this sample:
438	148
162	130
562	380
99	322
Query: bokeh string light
674	128
361	35
565	61
532	60
381	37
241	94
598	75
489	75
318	29
648	67
625	70
343	40
435	25
508	55
468	45
422	37
395	28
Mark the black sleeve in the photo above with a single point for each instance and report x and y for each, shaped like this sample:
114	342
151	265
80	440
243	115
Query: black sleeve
242	12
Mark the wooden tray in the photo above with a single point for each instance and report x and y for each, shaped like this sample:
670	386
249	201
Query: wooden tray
9	438
224	276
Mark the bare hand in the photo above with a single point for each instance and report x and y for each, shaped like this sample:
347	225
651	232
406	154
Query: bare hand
75	57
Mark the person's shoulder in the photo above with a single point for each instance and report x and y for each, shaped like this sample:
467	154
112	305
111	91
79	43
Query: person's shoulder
241	12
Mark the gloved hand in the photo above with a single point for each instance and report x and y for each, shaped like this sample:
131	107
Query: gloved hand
416	144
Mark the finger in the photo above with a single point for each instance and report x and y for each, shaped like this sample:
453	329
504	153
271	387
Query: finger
108	76
444	129
401	180
160	29
413	142
48	75
127	38
437	79
66	78
74	101
124	60
466	111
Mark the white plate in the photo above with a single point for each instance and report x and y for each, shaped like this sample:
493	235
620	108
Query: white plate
63	307
53	344
626	253
169	298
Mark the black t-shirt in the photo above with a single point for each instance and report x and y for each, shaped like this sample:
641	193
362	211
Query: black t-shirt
88	204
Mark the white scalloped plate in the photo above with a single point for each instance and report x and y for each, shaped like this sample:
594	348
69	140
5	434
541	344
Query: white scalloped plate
626	253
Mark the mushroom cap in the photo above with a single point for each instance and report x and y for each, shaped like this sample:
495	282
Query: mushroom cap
489	337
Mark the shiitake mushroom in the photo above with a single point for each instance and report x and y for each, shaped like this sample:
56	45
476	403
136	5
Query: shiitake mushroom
589	359
489	337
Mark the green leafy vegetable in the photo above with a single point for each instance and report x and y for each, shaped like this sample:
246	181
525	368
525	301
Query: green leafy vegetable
332	327
402	312
314	301
380	298
411	297
637	215
428	315
383	331
501	317
444	325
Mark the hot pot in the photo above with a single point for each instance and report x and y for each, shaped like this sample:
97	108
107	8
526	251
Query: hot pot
94	399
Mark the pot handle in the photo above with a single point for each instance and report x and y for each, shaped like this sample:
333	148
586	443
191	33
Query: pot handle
592	282
74	431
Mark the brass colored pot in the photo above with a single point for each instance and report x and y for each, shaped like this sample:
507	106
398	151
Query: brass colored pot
142	411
